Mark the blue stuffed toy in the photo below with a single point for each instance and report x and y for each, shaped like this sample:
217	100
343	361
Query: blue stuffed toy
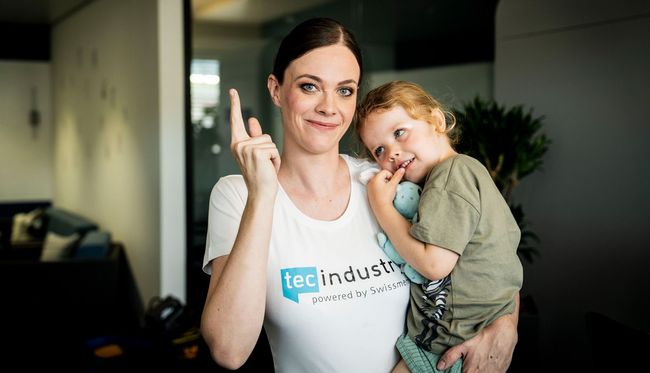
406	201
407	198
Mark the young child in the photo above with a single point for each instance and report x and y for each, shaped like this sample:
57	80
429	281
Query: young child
465	238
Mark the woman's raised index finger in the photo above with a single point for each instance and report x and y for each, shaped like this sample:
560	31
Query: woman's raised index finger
237	129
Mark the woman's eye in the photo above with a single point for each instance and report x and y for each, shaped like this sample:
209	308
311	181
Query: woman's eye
308	87
379	151
399	133
345	91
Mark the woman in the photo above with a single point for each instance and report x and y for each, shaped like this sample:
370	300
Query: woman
291	243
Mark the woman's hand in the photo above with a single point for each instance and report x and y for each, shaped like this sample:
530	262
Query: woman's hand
488	352
257	155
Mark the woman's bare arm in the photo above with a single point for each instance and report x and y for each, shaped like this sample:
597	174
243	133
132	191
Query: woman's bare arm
234	309
233	313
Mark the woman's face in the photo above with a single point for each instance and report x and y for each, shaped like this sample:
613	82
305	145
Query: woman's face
317	98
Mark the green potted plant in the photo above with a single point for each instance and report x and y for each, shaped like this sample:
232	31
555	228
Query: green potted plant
509	143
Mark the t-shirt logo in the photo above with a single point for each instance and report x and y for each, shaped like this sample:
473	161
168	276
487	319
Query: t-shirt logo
298	280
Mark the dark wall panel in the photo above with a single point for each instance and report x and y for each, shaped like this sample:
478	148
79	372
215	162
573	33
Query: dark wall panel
24	41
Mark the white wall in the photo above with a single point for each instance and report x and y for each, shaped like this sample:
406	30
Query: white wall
110	94
171	109
25	154
585	66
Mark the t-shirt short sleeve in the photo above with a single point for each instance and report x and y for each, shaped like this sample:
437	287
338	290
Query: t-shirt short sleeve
445	219
227	202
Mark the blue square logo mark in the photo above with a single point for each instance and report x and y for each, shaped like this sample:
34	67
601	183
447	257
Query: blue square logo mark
298	280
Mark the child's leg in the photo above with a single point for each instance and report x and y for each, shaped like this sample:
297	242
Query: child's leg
401	367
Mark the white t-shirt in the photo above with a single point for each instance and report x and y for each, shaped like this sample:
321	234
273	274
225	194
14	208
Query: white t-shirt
335	302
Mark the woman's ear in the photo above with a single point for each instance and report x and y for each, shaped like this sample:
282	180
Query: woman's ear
439	121
274	89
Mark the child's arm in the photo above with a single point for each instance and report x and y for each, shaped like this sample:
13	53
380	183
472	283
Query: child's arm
431	261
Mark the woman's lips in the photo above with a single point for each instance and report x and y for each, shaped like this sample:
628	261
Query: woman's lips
322	125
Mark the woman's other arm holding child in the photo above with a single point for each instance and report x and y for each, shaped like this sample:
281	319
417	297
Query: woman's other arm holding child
431	261
234	309
491	350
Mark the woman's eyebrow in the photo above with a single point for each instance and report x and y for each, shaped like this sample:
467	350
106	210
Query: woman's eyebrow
314	77
348	82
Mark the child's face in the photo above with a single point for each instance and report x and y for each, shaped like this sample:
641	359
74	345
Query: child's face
396	140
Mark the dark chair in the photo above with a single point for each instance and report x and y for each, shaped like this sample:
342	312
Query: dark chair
612	340
50	308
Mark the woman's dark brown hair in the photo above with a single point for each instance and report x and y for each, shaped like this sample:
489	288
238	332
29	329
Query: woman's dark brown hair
309	35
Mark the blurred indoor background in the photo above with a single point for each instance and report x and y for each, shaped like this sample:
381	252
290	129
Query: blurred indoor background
131	128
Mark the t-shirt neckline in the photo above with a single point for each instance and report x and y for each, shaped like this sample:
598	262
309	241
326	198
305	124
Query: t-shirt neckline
301	217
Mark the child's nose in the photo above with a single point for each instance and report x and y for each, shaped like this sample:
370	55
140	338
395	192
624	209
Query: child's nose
394	154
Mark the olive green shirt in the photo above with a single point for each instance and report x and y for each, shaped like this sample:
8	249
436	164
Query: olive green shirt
462	210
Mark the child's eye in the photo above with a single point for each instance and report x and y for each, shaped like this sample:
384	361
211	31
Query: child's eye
346	91
308	87
379	151
399	133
